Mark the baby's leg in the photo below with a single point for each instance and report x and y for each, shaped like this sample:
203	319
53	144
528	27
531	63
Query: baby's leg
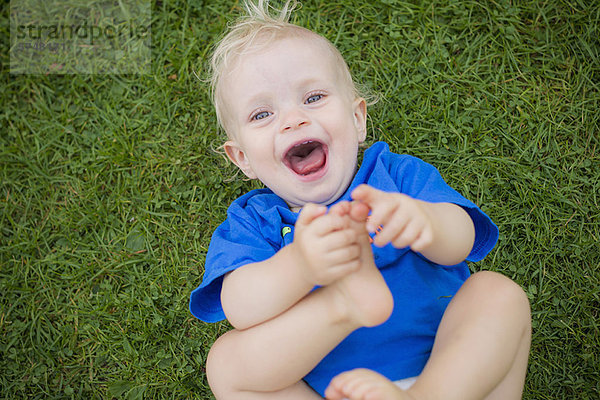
481	350
276	354
270	359
482	345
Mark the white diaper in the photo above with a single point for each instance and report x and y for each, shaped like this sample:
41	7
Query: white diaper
406	383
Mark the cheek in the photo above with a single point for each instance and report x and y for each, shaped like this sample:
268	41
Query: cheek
259	154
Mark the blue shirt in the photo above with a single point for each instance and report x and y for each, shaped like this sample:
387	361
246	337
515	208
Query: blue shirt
260	223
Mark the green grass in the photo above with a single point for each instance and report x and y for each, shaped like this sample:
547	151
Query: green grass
110	188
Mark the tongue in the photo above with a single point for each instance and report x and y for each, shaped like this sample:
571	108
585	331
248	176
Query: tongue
312	161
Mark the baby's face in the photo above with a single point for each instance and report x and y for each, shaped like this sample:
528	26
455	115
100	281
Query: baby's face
293	123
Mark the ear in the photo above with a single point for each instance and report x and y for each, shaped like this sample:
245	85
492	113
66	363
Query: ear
238	157
360	118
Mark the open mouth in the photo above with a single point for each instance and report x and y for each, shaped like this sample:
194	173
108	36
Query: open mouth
306	158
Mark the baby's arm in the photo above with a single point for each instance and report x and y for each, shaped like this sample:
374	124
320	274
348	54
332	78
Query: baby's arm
442	232
324	249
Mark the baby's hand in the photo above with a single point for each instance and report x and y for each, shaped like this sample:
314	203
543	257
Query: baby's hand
327	246
404	220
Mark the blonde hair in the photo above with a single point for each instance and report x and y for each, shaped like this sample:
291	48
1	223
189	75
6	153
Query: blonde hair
242	38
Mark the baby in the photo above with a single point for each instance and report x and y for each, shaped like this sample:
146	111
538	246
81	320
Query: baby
340	281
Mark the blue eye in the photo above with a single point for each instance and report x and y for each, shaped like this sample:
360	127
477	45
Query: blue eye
314	98
260	115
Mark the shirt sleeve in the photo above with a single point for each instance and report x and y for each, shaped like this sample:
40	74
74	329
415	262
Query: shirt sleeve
235	243
423	181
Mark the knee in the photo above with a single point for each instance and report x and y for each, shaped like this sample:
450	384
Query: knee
504	294
218	362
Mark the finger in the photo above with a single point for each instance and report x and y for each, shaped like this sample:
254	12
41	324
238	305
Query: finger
310	212
333	273
393	228
341	270
328	223
381	203
366	194
394	208
408	236
340	239
381	215
359	211
343	255
342	208
423	241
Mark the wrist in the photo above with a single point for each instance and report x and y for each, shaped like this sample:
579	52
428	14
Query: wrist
297	265
453	233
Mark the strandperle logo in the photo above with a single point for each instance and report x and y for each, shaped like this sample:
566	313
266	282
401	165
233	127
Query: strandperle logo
68	37
89	33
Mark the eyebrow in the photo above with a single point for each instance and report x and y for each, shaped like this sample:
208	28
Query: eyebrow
258	97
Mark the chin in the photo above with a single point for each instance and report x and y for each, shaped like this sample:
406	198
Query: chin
324	198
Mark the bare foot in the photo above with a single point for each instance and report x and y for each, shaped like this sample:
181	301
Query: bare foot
363	384
364	293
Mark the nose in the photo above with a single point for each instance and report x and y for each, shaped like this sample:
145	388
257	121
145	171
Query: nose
293	119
